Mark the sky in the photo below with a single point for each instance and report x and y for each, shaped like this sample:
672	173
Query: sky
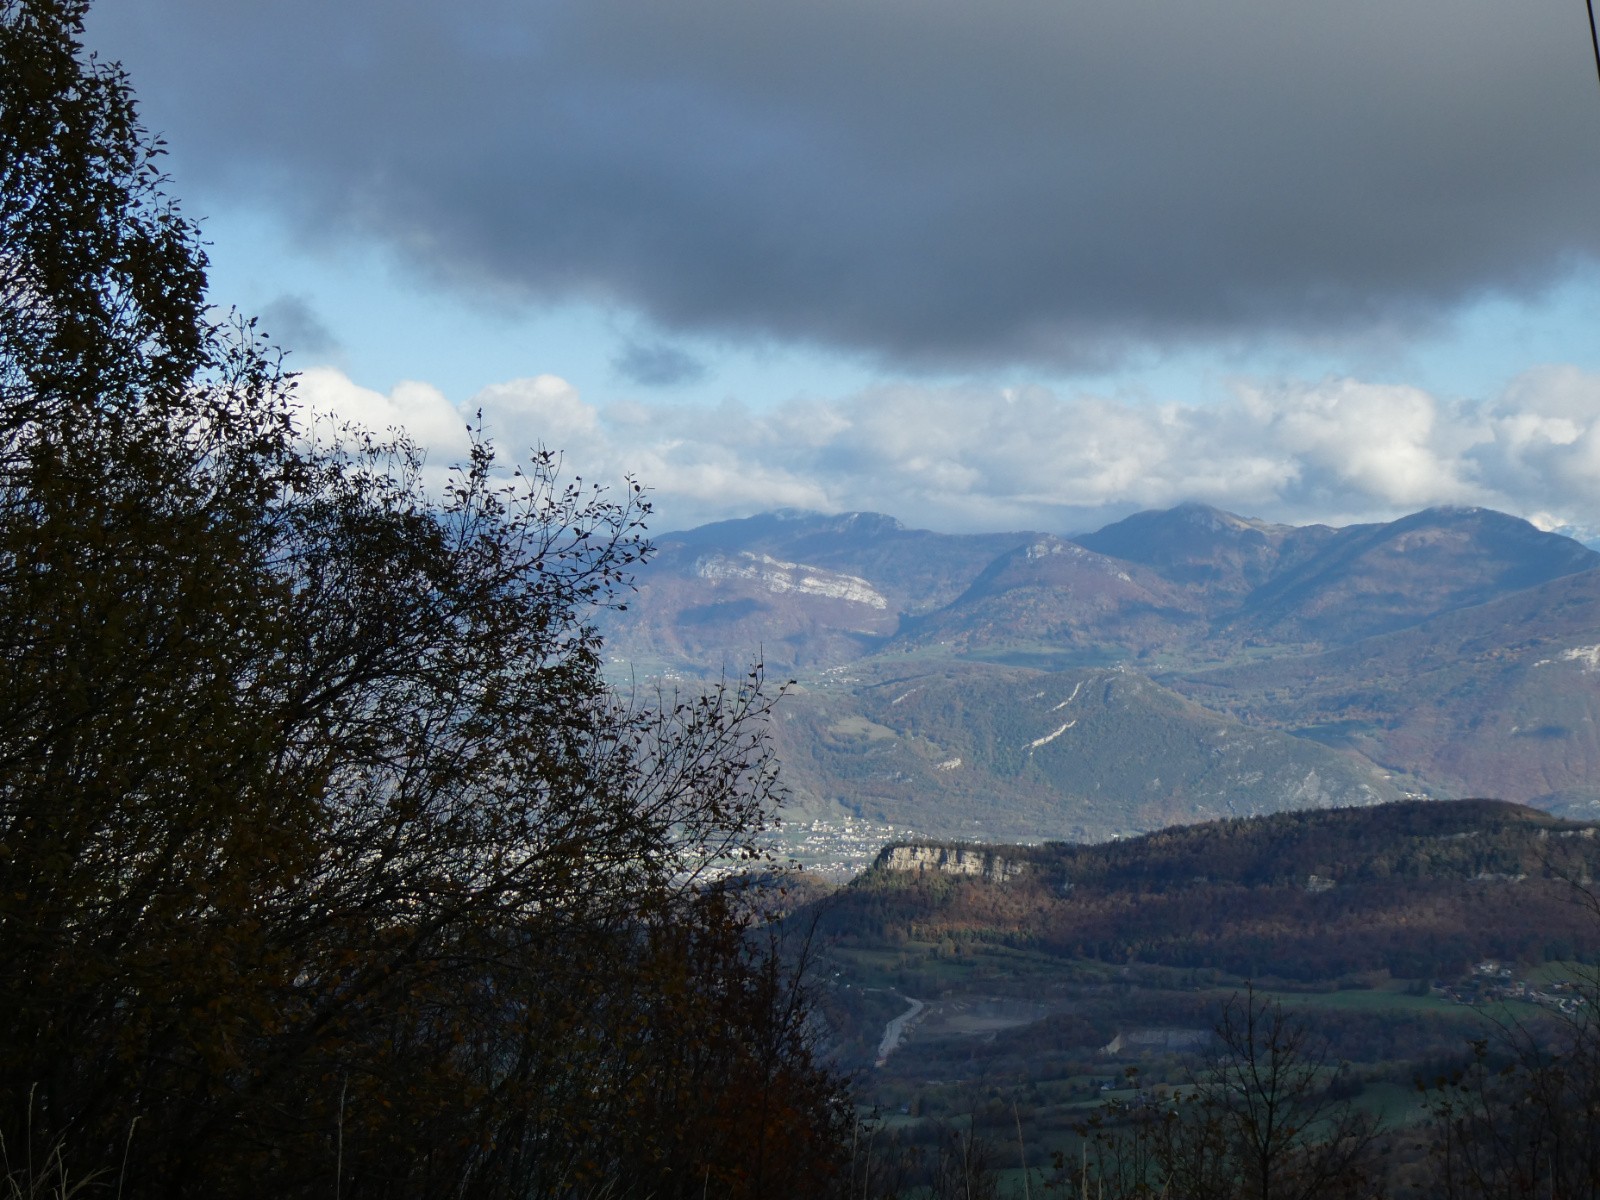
1018	264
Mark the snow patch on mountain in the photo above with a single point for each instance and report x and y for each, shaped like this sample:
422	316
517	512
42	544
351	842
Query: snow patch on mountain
1588	656
778	576
1049	737
1048	547
1075	689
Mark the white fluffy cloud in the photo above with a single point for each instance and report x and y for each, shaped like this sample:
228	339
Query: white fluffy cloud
418	409
963	458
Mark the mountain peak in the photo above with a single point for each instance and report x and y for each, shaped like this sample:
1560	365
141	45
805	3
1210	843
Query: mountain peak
1208	516
1372	579
1199	545
868	523
787	524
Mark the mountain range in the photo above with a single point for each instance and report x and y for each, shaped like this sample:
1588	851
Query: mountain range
1173	666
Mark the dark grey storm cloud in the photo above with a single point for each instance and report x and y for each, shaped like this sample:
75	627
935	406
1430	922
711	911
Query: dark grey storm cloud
656	364
292	323
925	180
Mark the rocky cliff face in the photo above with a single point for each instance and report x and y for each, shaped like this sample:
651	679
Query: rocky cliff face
778	576
951	860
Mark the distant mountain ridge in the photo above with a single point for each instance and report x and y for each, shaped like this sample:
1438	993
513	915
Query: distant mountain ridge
1197	546
706	604
1441	653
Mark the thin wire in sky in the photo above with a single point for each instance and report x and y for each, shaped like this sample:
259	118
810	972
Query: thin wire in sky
1594	39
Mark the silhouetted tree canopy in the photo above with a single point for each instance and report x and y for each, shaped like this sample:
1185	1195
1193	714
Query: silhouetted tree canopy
329	864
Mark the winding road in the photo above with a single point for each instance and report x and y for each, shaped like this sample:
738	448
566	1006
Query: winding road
895	1030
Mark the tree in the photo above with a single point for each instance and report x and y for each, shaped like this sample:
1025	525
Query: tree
327	859
1259	1122
1521	1121
1522	1118
103	280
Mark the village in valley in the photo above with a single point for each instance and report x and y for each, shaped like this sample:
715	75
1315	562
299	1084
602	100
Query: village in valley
1492	982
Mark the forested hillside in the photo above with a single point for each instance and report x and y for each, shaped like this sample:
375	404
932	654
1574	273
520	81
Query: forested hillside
978	750
1417	889
1409	989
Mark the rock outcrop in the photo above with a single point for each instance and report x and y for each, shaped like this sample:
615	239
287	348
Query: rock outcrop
951	860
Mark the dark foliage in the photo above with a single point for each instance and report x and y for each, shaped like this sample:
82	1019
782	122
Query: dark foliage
1417	889
1259	1122
328	863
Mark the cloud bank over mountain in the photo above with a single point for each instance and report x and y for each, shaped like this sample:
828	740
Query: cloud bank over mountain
976	458
926	182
